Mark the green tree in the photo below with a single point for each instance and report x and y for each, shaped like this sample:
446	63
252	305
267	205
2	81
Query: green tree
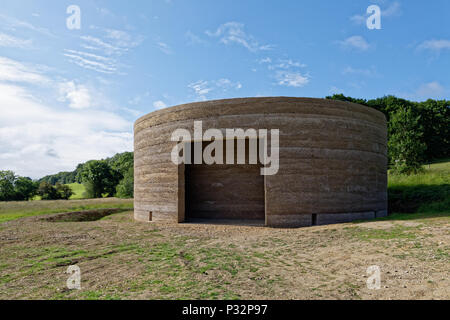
64	191
125	188
435	119
99	178
25	189
406	148
57	192
7	179
47	192
122	162
15	188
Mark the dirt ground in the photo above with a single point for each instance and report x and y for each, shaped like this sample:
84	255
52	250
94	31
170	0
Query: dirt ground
123	259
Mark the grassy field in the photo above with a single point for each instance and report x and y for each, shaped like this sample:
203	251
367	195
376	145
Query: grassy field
78	190
16	210
120	258
427	192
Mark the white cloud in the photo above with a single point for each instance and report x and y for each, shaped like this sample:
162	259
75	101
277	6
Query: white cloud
164	47
135	113
99	54
358	18
287	71
394	9
93	43
233	32
431	89
139	98
117	42
13	23
78	96
92	61
355	42
202	87
286	64
367	72
13	42
123	39
38	138
105	12
226	84
291	79
32	134
265	60
435	45
193	38
14	71
159	105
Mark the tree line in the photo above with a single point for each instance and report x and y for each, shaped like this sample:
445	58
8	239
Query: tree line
111	177
16	188
418	132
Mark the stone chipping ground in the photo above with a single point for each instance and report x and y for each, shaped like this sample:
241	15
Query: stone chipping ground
123	259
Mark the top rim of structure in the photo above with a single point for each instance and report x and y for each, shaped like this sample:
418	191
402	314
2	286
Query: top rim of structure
248	99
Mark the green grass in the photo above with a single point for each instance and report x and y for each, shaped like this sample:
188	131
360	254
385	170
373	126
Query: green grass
16	210
78	190
426	192
396	232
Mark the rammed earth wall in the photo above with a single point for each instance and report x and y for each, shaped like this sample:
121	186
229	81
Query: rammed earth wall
332	161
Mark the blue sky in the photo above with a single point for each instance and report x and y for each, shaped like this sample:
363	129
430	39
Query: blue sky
67	96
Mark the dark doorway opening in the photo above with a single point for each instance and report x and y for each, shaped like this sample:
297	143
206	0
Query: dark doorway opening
224	193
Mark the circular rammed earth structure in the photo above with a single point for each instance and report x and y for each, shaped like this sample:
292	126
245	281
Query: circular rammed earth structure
333	164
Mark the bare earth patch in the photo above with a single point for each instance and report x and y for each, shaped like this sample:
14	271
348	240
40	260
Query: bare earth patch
123	259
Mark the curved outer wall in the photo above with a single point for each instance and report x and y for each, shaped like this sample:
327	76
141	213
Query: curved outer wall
333	158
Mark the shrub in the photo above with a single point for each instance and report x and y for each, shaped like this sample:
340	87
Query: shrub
58	192
406	148
125	189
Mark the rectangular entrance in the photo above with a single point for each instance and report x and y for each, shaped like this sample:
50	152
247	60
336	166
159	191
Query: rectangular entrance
224	192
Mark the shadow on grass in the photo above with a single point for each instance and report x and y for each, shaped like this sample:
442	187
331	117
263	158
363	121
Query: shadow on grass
83	216
417	198
415	216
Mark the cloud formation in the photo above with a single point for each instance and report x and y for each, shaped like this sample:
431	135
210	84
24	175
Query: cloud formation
201	88
367	72
39	138
13	42
428	90
92	61
233	33
101	54
164	47
159	105
287	72
435	45
291	79
14	71
78	96
355	42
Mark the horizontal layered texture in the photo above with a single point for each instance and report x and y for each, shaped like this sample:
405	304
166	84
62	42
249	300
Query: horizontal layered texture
333	159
